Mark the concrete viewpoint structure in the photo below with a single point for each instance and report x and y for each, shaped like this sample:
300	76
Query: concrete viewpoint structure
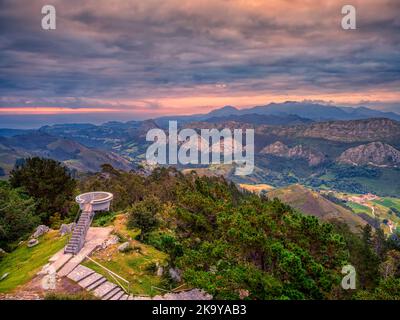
89	203
100	200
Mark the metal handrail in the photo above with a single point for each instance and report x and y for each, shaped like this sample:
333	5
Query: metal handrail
75	221
113	275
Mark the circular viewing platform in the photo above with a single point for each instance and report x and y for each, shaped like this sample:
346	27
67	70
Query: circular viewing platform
100	200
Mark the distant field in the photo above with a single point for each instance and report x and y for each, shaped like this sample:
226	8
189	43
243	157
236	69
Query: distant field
313	203
359	208
388	184
389	202
257	188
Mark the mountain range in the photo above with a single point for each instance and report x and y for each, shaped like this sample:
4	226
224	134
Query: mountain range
305	110
310	144
300	150
71	153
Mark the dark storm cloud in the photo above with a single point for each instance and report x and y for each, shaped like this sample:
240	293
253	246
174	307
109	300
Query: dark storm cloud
154	49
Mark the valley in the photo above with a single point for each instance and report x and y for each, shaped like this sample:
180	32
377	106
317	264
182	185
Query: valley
329	153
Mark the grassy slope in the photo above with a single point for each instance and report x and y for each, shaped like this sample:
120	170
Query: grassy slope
311	202
23	263
387	184
257	188
389	203
359	208
132	265
382	206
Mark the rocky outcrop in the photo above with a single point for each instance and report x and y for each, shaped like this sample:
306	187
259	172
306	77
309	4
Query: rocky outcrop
40	230
2	253
365	130
125	247
175	274
279	149
194	294
374	153
66	228
112	240
32	243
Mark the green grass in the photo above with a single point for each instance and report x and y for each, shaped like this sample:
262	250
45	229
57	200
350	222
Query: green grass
103	219
133	267
23	263
359	208
389	203
64	296
386	185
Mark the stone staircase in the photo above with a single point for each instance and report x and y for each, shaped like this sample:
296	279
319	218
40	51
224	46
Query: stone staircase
97	284
78	236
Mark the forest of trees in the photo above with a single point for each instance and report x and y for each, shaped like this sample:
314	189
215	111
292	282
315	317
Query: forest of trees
228	242
39	191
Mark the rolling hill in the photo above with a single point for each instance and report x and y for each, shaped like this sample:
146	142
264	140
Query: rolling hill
307	110
374	153
71	153
312	203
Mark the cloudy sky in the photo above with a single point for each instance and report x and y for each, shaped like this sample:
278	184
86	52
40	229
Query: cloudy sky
131	59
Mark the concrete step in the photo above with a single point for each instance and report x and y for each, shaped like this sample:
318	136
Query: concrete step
96	284
111	293
61	261
86	250
89	280
104	289
124	297
81	224
80	273
78	233
71	251
118	295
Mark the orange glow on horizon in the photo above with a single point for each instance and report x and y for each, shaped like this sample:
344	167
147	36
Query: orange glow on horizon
53	110
185	105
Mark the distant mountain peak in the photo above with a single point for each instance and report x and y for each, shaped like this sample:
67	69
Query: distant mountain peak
374	153
224	111
279	149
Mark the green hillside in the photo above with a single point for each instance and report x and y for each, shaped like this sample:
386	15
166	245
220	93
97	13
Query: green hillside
23	263
311	202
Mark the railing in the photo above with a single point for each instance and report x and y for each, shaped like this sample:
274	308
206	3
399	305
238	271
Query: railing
127	289
114	276
175	290
69	235
82	234
87	226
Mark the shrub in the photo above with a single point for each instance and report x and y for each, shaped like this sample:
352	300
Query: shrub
66	296
48	182
142	215
17	219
